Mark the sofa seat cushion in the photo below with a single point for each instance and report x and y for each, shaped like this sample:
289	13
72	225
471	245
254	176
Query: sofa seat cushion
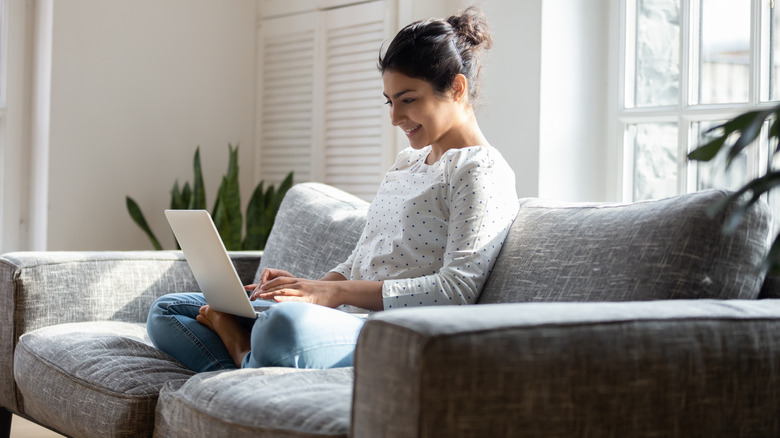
652	250
261	402
93	379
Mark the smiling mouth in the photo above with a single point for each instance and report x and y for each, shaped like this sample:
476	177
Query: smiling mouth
411	131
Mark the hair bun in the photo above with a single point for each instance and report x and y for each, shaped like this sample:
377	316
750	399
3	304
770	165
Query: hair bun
471	26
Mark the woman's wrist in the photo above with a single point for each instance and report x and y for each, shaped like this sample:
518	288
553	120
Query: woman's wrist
361	293
333	276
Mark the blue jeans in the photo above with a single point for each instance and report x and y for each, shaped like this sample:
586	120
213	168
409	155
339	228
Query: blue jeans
289	334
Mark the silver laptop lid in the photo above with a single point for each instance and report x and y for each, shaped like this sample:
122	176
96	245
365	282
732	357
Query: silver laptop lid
206	254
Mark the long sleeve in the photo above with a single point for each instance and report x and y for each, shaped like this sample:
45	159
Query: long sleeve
345	268
482	203
433	232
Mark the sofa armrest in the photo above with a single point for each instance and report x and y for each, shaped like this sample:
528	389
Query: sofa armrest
693	368
39	289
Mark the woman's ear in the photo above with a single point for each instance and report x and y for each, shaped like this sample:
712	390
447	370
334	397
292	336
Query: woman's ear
460	87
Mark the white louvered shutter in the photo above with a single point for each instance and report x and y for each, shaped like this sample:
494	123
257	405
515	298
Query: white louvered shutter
286	71
275	8
353	140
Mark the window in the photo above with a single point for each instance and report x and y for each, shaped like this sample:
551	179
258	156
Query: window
688	65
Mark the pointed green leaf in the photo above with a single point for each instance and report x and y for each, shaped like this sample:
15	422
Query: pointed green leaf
138	218
198	198
227	207
771	263
217	210
180	198
742	121
743	199
270	198
273	200
221	220
254	239
748	134
175	195
707	151
230	200
283	188
266	216
186	196
774	129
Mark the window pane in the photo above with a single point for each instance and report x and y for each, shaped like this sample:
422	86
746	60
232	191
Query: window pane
655	160
713	174
657	52
774	53
724	51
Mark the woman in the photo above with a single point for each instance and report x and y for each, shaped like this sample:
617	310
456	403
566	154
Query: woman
431	237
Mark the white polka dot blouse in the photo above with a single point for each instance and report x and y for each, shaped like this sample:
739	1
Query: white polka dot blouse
433	231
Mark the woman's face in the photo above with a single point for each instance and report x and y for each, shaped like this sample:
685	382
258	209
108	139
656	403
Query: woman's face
425	118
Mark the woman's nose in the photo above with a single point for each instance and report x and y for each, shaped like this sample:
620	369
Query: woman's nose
395	116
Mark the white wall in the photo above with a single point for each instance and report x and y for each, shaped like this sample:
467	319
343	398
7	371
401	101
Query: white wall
508	109
14	147
508	106
545	92
574	87
136	86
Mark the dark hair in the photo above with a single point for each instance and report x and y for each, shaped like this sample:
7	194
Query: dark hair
437	50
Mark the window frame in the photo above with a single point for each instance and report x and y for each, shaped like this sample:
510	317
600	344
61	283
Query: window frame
24	154
684	113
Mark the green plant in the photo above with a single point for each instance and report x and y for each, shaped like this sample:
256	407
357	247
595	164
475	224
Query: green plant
260	212
732	137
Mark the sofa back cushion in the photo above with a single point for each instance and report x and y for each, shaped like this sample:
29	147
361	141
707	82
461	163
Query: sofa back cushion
660	249
317	228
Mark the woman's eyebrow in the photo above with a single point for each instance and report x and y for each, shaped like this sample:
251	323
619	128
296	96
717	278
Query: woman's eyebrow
397	95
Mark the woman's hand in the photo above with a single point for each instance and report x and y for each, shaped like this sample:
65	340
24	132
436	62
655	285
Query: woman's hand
270	274
267	275
332	290
289	288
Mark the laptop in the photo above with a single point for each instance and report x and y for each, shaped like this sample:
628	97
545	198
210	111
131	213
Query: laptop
206	254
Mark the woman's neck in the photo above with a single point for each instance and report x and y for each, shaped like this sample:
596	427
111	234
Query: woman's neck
468	134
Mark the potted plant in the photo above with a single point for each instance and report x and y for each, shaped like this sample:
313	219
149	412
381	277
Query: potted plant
226	212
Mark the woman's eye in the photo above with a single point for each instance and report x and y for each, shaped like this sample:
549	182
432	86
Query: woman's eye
389	103
407	100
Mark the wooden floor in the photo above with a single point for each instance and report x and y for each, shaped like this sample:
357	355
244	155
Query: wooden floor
21	428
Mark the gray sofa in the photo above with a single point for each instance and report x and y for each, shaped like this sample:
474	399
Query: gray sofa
598	320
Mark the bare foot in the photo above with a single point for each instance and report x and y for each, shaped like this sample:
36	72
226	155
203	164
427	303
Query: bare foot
235	337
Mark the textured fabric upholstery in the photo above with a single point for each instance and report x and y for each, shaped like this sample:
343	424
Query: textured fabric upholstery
687	368
96	379
266	402
39	289
673	368
649	250
771	287
317	228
